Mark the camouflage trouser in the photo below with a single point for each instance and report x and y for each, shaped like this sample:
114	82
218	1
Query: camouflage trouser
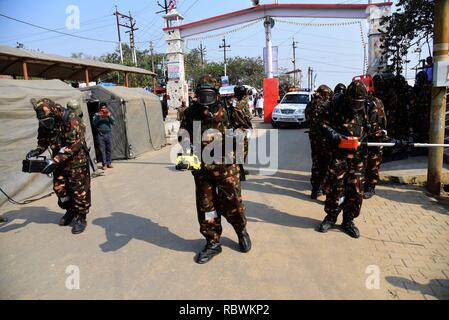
320	161
346	182
72	186
373	162
218	194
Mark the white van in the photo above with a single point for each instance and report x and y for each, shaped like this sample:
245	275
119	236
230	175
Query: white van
291	109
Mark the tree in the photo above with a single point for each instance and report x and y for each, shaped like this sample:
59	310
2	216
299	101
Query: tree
411	24
246	70
143	61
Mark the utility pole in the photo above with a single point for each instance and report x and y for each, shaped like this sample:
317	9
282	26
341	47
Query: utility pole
152	66
294	61
132	27
224	46
310	79
202	53
116	14
165	10
438	105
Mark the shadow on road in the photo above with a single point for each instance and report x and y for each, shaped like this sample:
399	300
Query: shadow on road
39	215
122	227
437	288
257	212
281	183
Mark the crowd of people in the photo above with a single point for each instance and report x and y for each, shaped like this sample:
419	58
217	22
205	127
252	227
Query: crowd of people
344	170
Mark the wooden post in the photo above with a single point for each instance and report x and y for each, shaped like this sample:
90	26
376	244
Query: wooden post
86	76
25	70
126	79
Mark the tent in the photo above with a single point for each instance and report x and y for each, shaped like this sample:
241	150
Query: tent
18	133
139	125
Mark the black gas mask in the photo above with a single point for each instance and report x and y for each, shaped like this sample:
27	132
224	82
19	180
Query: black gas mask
356	95
47	123
207	99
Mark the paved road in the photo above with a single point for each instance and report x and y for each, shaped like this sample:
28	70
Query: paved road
143	235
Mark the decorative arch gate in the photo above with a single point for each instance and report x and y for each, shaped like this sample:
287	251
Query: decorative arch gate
175	33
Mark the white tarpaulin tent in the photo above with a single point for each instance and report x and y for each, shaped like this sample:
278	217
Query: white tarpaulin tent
18	133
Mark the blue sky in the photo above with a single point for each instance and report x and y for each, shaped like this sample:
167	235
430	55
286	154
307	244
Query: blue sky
335	53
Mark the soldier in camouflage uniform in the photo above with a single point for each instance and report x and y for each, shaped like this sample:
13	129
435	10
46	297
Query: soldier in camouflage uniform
420	105
384	90
346	116
403	128
318	145
241	120
217	184
378	124
63	132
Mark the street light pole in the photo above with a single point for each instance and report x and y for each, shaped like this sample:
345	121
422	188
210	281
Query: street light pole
269	46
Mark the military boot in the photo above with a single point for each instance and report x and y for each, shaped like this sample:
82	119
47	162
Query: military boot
327	224
208	252
79	225
369	191
316	192
350	229
67	218
244	241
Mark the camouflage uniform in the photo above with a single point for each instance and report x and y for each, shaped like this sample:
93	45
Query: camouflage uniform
383	90
218	191
403	91
420	105
346	167
378	123
318	144
241	119
71	179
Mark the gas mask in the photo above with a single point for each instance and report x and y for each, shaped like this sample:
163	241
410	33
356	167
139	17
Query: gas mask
356	95
207	99
47	123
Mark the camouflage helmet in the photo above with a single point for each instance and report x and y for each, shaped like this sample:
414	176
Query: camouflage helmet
357	94
210	81
340	88
46	108
324	91
46	112
75	106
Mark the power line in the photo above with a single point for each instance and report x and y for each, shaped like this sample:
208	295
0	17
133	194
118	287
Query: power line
56	31
28	35
53	37
185	12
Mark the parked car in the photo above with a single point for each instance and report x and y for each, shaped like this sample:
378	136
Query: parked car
291	108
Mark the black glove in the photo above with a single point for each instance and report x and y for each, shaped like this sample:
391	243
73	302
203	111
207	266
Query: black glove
34	153
50	167
336	137
399	143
